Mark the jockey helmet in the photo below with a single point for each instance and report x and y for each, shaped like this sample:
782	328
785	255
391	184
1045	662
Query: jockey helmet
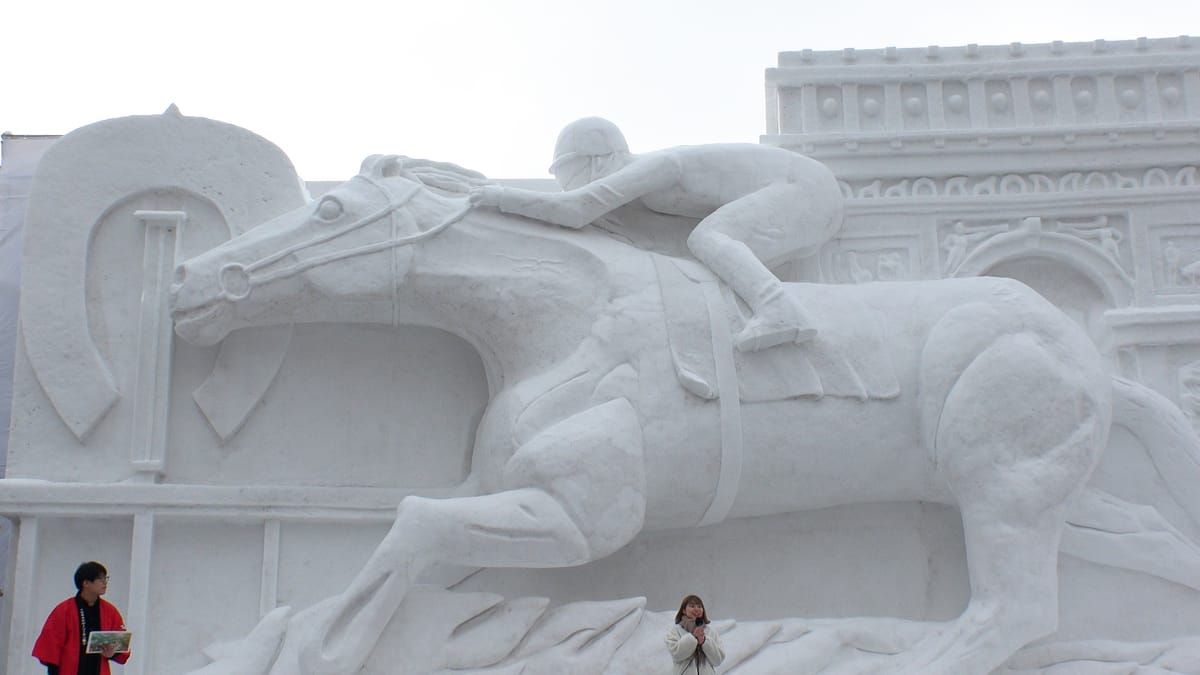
588	137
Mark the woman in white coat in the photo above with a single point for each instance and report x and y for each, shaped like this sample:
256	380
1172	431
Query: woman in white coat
695	647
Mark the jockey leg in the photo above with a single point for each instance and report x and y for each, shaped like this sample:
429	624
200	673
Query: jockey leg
735	241
778	317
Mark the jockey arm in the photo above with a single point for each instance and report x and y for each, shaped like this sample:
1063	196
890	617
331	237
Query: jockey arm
579	207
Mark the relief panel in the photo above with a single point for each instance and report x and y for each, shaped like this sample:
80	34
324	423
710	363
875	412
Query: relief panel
1175	250
859	260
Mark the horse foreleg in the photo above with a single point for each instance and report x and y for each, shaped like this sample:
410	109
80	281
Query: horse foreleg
574	493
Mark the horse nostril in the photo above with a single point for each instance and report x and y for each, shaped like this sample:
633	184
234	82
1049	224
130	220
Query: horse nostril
180	273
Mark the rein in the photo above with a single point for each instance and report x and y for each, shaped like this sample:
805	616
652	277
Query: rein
237	280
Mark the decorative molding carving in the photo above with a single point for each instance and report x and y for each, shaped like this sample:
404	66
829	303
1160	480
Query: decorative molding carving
1155	326
1016	52
927	187
1061	238
1029	87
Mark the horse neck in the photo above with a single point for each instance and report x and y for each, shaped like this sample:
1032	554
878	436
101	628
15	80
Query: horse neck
524	294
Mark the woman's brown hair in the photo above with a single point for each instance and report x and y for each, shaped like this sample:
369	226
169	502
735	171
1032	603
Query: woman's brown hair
683	605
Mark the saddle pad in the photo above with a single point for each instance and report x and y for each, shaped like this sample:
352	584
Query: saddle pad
848	357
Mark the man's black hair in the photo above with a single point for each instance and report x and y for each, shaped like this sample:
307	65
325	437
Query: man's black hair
89	571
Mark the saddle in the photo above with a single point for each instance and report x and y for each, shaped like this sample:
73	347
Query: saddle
848	357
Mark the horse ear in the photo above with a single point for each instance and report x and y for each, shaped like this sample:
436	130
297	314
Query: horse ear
383	166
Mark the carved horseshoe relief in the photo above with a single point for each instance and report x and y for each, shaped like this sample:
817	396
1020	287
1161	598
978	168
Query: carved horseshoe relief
80	178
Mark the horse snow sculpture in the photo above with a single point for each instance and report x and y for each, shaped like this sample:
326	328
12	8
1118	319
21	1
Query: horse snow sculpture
997	404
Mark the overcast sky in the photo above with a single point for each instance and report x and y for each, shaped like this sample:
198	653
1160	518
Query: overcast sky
486	84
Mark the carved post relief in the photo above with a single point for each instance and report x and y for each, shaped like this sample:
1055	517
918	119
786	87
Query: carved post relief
154	340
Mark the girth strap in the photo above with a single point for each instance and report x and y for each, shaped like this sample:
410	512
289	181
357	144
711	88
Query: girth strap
731	408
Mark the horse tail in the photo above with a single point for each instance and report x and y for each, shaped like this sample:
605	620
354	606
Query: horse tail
1108	530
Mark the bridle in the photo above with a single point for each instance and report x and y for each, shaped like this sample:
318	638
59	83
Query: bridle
237	281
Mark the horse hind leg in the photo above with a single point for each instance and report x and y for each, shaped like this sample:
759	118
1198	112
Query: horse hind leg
1019	435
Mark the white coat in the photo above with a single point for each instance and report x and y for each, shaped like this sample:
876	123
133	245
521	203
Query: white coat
682	645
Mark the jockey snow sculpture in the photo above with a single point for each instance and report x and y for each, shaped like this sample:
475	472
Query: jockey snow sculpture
1000	406
759	205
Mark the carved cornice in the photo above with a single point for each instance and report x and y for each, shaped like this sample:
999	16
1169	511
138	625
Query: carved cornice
974	53
959	98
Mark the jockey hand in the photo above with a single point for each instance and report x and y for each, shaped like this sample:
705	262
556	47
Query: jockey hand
485	195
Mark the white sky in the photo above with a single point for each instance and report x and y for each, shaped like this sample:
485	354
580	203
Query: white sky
486	84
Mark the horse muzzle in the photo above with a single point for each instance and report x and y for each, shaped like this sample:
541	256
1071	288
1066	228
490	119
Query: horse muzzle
201	307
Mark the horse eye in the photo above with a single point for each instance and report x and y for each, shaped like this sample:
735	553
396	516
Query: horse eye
329	209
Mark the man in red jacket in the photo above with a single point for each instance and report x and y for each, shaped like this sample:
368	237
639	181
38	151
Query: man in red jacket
62	643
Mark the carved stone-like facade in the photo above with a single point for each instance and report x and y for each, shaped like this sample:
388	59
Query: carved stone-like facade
1071	166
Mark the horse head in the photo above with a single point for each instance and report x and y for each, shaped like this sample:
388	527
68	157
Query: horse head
281	271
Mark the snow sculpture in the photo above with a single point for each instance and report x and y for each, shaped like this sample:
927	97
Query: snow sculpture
974	392
266	467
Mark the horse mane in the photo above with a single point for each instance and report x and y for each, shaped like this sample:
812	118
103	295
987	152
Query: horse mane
444	176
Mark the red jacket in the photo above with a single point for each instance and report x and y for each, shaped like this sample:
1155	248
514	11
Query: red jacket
58	643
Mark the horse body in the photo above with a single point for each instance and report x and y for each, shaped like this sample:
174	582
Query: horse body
589	438
799	453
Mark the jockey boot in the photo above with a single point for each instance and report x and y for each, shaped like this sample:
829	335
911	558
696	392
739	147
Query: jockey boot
778	316
778	319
